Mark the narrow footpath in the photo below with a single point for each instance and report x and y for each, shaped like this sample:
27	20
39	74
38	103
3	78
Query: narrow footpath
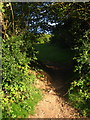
54	104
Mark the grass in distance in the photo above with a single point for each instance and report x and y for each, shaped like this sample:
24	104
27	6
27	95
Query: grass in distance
53	53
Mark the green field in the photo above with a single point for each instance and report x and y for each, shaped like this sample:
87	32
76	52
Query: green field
52	53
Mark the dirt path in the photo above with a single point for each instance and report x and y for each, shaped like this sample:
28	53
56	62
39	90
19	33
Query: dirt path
53	104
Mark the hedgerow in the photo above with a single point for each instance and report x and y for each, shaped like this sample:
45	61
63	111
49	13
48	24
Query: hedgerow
19	96
79	92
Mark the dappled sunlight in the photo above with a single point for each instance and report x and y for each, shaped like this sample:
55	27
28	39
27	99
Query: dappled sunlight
46	54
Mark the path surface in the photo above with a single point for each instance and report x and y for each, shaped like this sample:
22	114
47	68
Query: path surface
53	104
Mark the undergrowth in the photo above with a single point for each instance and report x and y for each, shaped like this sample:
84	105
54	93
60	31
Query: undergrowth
79	93
19	96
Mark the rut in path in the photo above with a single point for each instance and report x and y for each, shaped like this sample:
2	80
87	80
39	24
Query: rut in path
53	104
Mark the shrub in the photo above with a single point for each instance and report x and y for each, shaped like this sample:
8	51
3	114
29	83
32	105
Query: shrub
19	96
28	40
44	38
80	90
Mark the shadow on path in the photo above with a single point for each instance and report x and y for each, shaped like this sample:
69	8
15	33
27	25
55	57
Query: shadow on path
54	86
61	77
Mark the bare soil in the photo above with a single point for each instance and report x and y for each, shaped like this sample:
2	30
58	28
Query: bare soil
53	104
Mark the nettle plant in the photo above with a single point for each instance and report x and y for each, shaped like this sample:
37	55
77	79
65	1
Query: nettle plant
81	86
19	96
